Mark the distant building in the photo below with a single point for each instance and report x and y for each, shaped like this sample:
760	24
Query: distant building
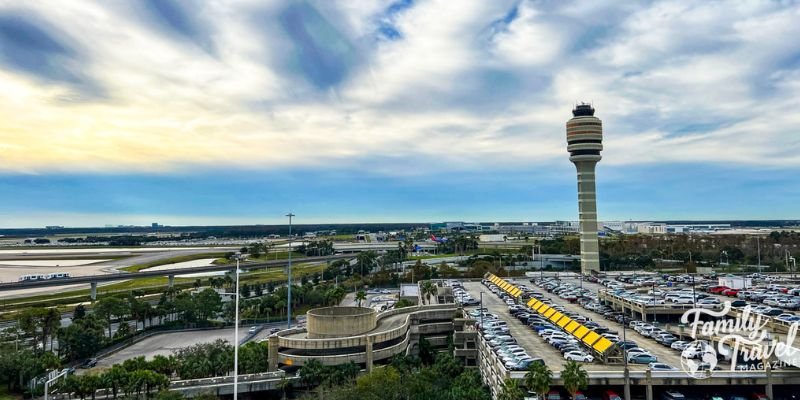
155	225
54	227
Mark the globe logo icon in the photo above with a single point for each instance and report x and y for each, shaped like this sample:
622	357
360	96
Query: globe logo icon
698	359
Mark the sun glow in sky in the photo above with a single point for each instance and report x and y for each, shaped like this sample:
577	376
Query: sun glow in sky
236	111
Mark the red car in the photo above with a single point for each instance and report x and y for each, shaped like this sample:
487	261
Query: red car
717	289
730	292
759	396
611	395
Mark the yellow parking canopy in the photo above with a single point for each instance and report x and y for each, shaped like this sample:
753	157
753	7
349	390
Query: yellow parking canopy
591	337
542	308
549	312
564	321
556	316
572	326
580	332
602	345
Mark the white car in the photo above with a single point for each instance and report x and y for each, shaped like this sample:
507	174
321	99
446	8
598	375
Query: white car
578	356
679	345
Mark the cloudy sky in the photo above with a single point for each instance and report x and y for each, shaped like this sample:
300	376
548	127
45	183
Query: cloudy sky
217	112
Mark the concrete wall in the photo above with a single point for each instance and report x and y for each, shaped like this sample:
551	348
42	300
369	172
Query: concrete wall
330	322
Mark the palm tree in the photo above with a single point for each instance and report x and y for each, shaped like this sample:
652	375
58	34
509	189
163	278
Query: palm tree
360	295
574	377
285	386
538	378
50	323
428	289
115	378
510	391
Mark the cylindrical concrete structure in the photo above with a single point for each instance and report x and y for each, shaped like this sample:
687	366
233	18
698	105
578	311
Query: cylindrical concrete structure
584	143
332	322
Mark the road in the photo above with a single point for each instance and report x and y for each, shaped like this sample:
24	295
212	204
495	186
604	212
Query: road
167	343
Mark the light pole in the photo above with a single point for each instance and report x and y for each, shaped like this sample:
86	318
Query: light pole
627	389
654	300
236	336
289	273
481	310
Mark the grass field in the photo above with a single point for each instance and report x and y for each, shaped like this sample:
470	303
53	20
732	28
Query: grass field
173	260
155	285
275	256
466	253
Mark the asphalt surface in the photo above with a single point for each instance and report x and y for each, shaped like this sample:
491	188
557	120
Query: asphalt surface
98	268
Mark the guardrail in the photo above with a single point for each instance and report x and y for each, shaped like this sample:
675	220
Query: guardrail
227	379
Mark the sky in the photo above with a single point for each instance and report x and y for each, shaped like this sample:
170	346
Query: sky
238	111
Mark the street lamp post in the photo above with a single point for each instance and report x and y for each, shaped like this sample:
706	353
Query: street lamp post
654	300
236	336
627	389
481	310
289	274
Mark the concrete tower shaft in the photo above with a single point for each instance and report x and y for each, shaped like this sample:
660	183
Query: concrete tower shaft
584	143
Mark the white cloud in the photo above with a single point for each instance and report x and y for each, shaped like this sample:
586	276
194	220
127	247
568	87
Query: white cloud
674	82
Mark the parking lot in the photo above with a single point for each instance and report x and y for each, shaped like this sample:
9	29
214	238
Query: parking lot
663	353
524	335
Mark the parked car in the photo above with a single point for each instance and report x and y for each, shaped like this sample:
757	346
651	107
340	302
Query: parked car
553	395
642	358
89	363
679	345
672	395
611	395
730	292
578	356
657	366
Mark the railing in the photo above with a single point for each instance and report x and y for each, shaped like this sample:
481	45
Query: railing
359	340
227	379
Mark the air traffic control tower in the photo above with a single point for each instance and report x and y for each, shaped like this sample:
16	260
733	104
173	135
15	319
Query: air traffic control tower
584	142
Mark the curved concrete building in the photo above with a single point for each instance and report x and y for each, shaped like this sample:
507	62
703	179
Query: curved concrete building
584	143
338	335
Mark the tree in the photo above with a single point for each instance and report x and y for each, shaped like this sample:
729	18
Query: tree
428	288
468	386
253	357
82	339
311	373
365	261
574	377
79	312
538	378
123	331
115	378
360	296
204	360
510	391
208	304
31	323
89	385
109	307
